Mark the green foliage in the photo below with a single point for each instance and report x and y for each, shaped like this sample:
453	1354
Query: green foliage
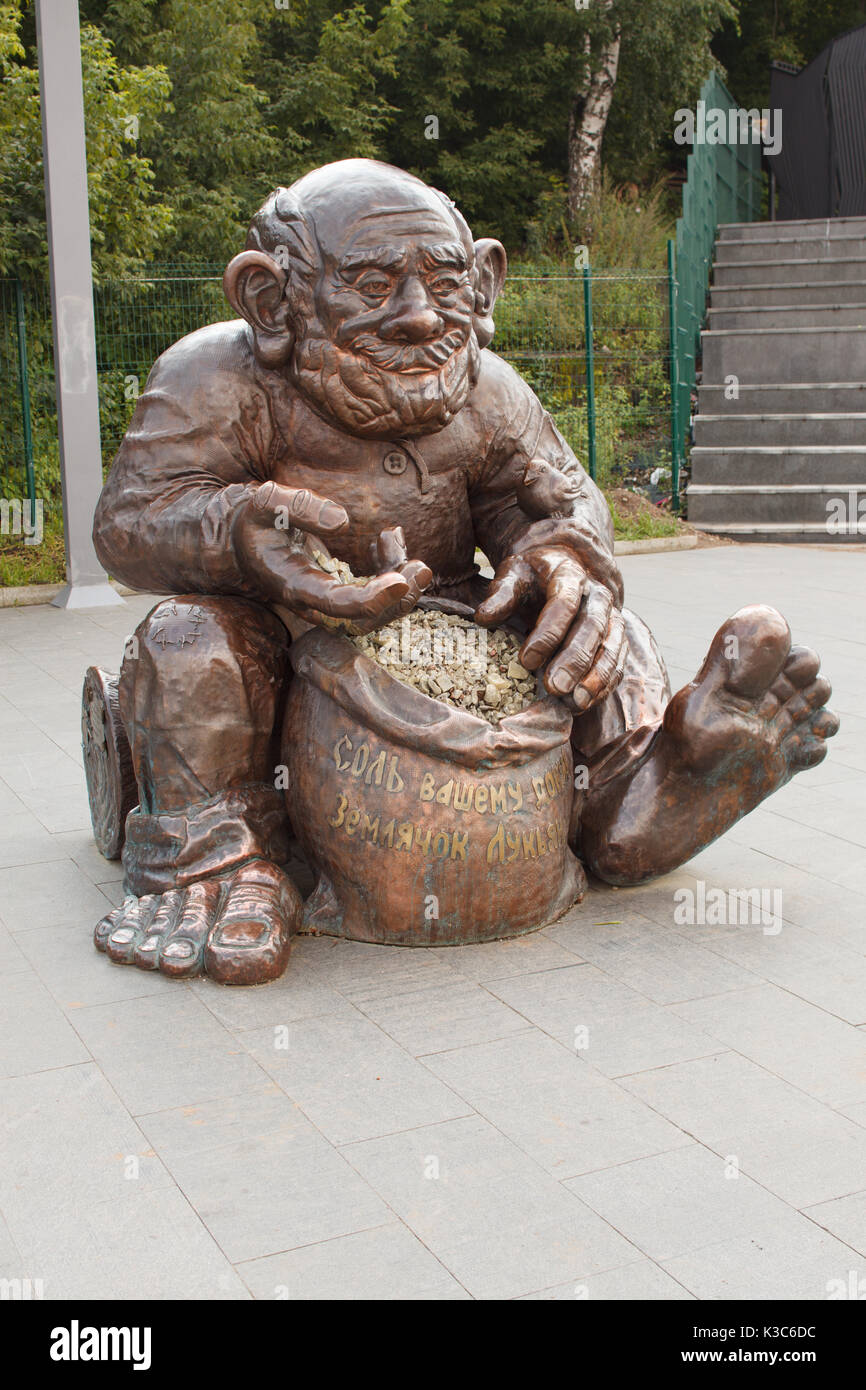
791	31
127	223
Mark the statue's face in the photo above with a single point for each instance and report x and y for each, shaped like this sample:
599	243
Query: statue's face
392	349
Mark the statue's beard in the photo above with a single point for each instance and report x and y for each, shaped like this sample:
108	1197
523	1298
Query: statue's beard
381	390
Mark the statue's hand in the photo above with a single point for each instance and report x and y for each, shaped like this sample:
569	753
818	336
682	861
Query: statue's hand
578	632
273	557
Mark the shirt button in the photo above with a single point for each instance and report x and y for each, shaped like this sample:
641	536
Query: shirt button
395	462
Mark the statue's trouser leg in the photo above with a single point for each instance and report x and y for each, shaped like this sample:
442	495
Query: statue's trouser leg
615	735
201	693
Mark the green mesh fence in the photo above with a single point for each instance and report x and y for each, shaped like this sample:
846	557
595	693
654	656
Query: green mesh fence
541	328
724	183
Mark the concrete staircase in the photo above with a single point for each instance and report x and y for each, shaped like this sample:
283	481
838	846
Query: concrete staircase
785	458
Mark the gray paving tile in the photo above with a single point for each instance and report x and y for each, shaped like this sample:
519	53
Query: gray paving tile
450	1015
845	1218
792	1259
804	1045
10	1256
78	975
165	1050
60	808
34	1034
795	1146
303	992
554	1106
499	960
363	972
10	803
382	1264
24	840
12	959
672	1203
637	1282
636	952
80	848
352	1080
610	1024
129	1247
67	1141
260	1175
501	1225
55	894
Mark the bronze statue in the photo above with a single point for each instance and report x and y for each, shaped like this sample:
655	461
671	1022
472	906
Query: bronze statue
354	403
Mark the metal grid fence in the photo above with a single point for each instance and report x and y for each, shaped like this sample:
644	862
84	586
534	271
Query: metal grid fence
594	345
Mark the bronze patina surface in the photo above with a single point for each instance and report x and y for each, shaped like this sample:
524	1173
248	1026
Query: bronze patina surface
354	406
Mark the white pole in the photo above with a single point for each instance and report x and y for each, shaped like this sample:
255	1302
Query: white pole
59	44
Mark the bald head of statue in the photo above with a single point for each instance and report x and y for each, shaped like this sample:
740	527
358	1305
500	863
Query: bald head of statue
364	287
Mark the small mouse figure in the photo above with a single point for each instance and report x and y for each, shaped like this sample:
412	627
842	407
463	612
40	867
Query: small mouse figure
544	491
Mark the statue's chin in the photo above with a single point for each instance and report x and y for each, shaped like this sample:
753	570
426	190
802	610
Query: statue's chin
373	402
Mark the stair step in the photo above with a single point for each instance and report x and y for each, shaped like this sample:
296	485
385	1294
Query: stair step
780	533
789	316
819	505
798	293
783	272
814	248
743	429
778	466
780	398
794	229
779	354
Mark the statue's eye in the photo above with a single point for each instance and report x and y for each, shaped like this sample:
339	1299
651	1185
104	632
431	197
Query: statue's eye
444	284
374	286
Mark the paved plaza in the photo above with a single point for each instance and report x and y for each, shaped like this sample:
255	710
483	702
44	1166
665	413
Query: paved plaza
625	1105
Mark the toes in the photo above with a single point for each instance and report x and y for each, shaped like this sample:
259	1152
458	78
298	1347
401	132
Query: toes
145	953
802	666
825	724
805	752
121	940
251	937
182	949
754	645
105	927
800	705
748	652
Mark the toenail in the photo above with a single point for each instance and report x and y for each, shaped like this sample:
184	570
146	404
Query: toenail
151	943
240	936
122	936
179	950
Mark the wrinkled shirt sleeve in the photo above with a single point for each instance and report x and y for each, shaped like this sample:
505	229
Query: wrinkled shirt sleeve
502	528
199	443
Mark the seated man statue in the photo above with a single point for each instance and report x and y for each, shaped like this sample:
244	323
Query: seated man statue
354	401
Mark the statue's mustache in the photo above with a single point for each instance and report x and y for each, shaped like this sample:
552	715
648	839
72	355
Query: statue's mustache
409	357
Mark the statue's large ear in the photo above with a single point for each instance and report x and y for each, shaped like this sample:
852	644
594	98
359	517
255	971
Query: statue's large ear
491	264
254	285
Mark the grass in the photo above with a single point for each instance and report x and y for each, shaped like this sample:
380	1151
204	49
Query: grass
34	564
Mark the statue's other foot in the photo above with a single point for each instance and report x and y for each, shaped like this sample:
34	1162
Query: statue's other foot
237	929
755	710
753	716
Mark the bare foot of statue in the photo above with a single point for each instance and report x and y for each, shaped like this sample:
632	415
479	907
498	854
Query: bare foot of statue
753	716
237	929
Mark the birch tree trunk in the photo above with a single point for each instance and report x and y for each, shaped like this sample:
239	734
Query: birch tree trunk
588	118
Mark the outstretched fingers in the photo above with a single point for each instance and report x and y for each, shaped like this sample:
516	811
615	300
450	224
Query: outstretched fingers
284	507
584	643
565	590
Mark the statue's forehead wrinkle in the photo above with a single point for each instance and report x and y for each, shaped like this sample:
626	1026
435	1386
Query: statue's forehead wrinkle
382	226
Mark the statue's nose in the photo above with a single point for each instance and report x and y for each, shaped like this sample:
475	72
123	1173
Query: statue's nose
411	319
